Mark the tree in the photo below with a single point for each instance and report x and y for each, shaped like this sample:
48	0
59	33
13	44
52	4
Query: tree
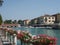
38	20
1	19
14	22
31	23
20	22
8	22
1	1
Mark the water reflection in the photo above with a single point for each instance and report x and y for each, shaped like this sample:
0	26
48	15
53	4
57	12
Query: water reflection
49	32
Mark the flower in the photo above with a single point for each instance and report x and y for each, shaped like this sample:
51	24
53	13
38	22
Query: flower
26	37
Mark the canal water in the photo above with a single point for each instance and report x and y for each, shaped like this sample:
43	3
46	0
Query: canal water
36	31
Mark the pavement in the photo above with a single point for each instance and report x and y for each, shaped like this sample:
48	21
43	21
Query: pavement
1	42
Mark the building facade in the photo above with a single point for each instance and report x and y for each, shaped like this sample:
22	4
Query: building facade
26	22
47	19
57	18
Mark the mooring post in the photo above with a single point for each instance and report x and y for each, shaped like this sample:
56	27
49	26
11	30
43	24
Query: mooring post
15	39
6	35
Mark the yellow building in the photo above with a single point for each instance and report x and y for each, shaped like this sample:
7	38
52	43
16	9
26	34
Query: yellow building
26	22
47	19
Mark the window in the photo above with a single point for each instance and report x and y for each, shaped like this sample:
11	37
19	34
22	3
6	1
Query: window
49	20
46	19
52	20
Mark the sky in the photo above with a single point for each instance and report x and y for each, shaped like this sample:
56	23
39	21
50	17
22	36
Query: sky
28	9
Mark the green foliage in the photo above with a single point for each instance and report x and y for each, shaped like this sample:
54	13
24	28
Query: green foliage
32	22
1	19
8	22
1	1
38	21
20	22
14	22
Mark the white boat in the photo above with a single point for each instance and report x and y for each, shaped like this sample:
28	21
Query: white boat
40	27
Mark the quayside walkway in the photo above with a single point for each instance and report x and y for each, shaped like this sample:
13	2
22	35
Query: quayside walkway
0	38
1	42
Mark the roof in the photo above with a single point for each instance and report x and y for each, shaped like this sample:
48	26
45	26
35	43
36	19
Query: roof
46	15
